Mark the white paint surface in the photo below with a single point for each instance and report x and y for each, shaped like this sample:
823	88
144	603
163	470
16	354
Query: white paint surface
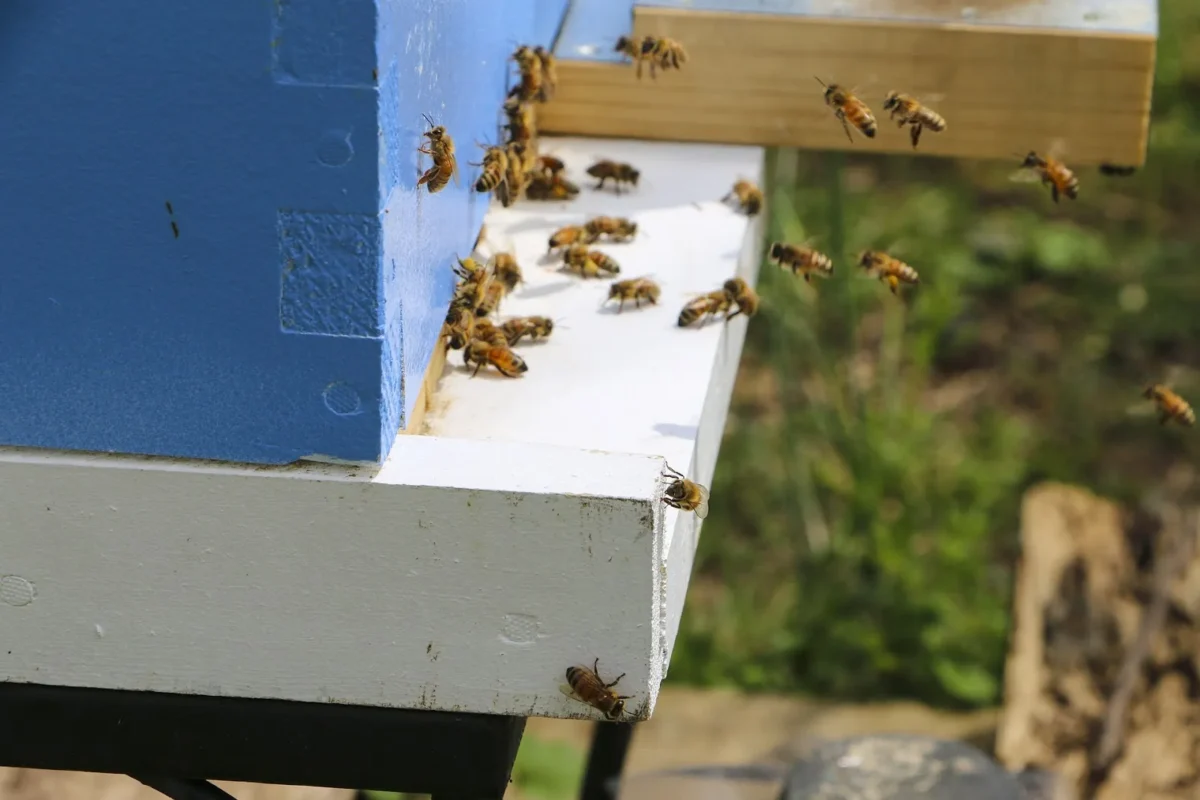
467	572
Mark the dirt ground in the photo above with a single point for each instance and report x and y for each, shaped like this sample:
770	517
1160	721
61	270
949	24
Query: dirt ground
689	727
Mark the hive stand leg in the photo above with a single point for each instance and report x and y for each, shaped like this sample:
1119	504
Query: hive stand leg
610	745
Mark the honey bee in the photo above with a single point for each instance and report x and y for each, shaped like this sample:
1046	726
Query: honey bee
474	280
1170	405
849	110
617	229
530	68
589	263
1049	171
742	295
521	125
549	166
662	53
482	353
587	686
541	187
568	236
514	176
907	110
749	197
890	270
487	331
493	177
635	289
459	328
704	307
684	494
518	328
549	73
801	260
507	270
441	149
619	173
492	295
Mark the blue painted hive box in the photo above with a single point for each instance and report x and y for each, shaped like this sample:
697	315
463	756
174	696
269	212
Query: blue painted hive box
214	246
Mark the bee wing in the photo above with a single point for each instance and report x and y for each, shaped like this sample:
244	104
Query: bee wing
1058	149
702	509
566	689
931	98
1025	175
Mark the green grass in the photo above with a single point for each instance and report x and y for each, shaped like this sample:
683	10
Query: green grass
866	502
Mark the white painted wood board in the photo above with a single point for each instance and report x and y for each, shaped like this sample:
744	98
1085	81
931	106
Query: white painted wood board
465	573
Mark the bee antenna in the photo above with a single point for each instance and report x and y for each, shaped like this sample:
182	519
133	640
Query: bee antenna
818	80
428	119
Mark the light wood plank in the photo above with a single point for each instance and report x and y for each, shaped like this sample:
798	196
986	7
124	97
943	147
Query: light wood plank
749	79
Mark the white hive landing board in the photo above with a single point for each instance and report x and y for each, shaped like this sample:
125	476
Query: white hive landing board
468	571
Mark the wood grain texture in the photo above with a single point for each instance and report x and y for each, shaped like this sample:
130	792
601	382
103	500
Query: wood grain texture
749	79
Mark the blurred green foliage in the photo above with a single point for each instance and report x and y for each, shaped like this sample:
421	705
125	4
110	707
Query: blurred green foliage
877	449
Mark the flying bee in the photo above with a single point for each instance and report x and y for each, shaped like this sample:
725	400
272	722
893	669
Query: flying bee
704	307
801	260
459	328
541	187
1049	171
890	270
662	53
530	68
492	295
617	229
904	109
635	289
549	166
514	175
749	197
487	331
570	235
1170	405
549	73
482	353
684	494
521	125
589	263
441	150
742	295
849	110
617	172
518	328
493	177
507	270
588	687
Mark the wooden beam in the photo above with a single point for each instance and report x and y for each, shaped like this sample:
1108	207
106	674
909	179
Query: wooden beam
1011	82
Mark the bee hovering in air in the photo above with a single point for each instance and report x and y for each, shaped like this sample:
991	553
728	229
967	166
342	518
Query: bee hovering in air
904	109
532	80
586	686
684	494
1170	405
535	328
615	229
742	296
705	307
748	196
549	73
890	270
617	172
481	353
441	149
635	289
589	263
1049	170
568	236
507	270
849	110
801	260
493	177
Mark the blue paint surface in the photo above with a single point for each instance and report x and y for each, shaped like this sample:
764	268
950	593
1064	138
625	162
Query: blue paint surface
214	247
593	26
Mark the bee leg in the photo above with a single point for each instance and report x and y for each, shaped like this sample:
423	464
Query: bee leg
807	279
637	302
846	127
1163	418
478	367
915	133
1054	192
614	683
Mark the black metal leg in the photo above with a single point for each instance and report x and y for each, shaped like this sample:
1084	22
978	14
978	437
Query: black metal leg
184	788
610	745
